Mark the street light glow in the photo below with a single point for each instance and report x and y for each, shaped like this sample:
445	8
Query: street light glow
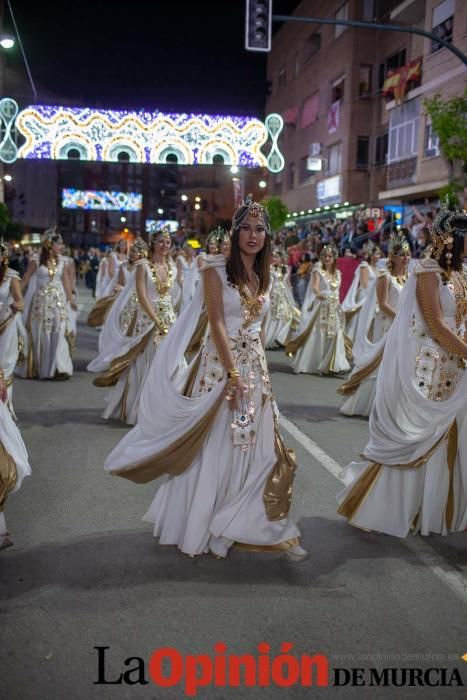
197	199
160	211
123	219
7	42
184	198
262	184
197	206
234	169
7	178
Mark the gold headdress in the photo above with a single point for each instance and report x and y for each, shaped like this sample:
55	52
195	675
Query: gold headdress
447	224
140	247
398	244
329	248
250	208
156	232
218	235
50	237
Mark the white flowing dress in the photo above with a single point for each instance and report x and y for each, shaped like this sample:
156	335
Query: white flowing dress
355	297
283	315
125	330
14	465
47	316
190	273
415	476
10	329
372	330
112	280
320	337
218	499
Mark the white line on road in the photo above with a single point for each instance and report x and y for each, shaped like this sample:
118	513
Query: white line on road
446	573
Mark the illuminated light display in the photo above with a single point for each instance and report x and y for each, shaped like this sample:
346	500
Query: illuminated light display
152	225
140	137
95	199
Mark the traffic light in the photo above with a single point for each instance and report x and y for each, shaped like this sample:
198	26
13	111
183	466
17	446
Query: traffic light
258	25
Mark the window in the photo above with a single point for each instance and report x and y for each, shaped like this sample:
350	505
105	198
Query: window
403	131
312	46
368	10
381	149
282	77
397	60
431	142
342	13
363	149
334	159
291	176
364	83
337	89
442	23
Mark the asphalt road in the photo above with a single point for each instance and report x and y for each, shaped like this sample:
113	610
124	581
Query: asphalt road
86	572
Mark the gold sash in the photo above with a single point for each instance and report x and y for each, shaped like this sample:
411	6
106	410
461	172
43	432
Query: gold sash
352	384
99	311
111	376
8	475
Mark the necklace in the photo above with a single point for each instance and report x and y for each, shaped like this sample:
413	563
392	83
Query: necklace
251	302
52	265
162	287
401	279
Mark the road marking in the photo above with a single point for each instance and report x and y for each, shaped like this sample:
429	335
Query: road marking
445	572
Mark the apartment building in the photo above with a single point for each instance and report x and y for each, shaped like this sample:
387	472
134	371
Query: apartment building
352	101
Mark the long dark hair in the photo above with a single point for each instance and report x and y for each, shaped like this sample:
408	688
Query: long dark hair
236	273
46	251
457	253
4	261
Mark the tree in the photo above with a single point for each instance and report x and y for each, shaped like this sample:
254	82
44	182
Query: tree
449	123
8	229
277	212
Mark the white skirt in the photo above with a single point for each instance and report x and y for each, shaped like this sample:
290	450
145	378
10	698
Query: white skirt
219	499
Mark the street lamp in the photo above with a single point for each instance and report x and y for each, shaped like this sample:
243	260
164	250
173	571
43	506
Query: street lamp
7	42
8	178
197	206
184	198
262	184
234	169
160	211
123	219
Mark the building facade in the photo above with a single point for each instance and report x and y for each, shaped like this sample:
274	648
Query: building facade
356	132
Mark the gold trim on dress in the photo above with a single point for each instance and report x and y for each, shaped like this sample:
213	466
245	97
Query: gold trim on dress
360	491
351	313
176	458
277	495
198	336
111	376
6	323
99	311
279	547
295	344
356	378
8	475
452	449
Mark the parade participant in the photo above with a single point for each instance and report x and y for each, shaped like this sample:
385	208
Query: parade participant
14	462
415	473
375	319
47	313
283	316
117	268
320	346
135	327
364	275
187	273
224	244
11	302
212	242
212	428
102	279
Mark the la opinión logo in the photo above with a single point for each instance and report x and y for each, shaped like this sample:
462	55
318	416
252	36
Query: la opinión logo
168	667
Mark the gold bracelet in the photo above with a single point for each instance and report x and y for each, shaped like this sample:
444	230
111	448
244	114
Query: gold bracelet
2	375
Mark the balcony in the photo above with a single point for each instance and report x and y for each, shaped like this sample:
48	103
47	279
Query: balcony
410	12
401	173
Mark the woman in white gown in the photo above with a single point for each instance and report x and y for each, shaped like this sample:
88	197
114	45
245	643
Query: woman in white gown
117	268
415	474
11	304
187	273
136	326
102	278
283	316
48	312
212	428
375	319
364	275
14	462
320	345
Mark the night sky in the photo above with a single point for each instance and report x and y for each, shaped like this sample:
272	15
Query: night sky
160	54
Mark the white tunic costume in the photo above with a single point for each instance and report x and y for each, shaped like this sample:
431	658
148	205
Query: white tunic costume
219	490
320	346
415	476
10	329
283	315
371	334
47	317
355	297
129	340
